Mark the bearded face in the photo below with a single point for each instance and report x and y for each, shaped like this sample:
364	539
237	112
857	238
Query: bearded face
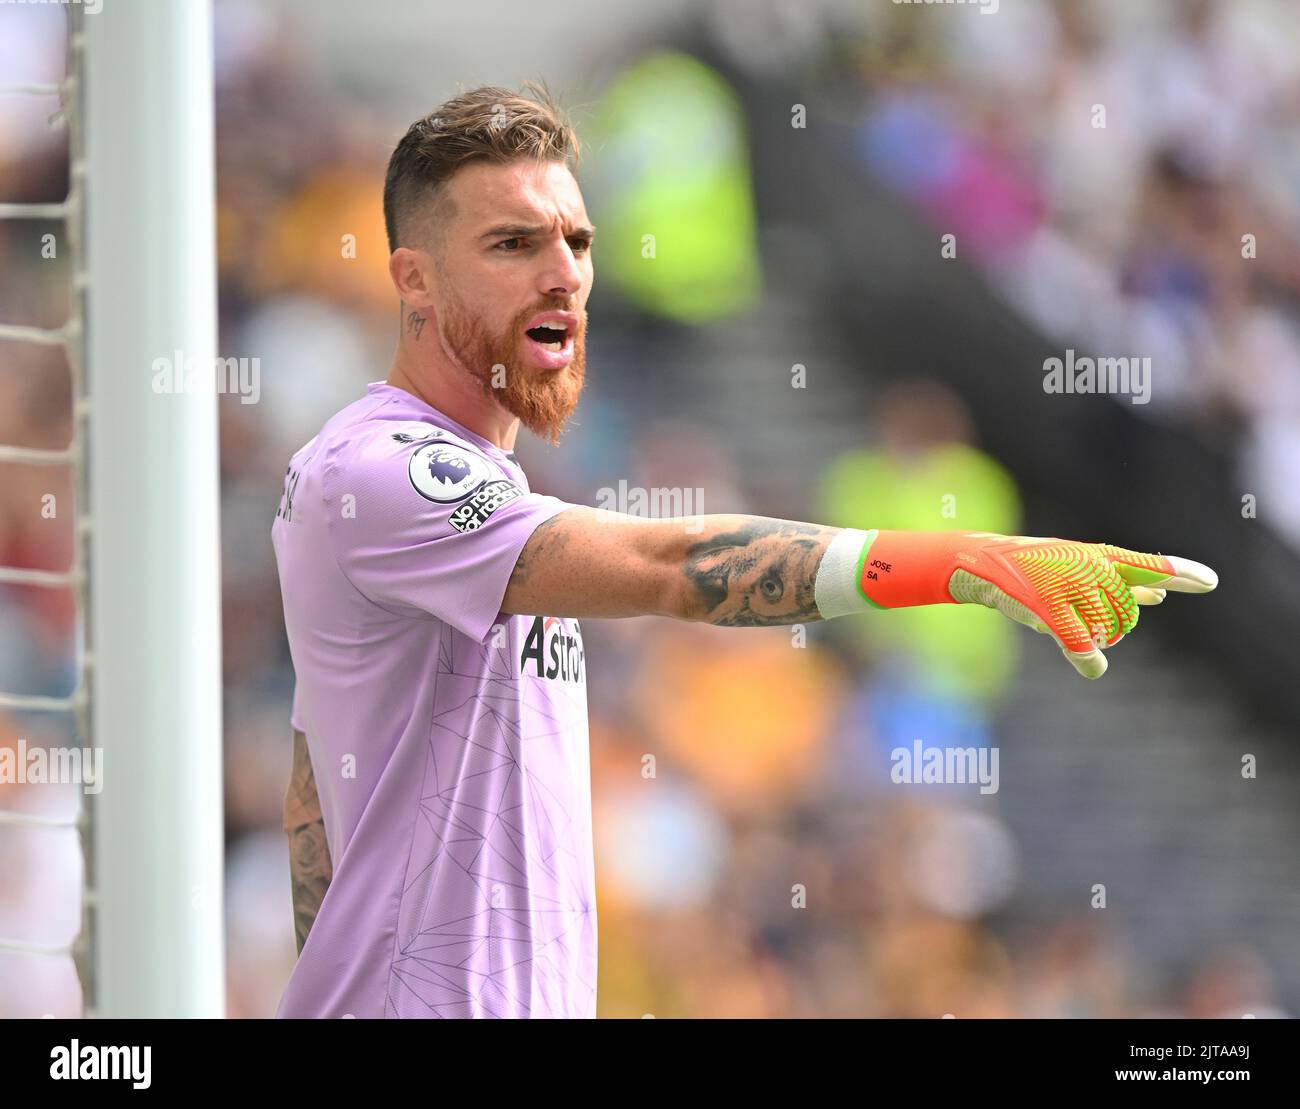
533	367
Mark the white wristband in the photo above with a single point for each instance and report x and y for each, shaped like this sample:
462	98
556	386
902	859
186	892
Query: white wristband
835	589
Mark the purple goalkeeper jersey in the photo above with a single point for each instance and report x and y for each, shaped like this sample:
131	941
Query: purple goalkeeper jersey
448	740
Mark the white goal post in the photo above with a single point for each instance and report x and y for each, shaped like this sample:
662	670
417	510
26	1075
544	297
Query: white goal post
153	557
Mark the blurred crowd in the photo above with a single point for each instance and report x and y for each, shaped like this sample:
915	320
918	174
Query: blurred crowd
753	858
1129	177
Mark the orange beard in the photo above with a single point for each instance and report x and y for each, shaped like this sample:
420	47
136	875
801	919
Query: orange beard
543	400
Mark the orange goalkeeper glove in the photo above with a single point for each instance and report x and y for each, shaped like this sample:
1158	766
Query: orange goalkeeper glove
1084	595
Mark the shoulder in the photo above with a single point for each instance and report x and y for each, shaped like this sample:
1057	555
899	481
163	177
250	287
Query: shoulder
412	481
438	465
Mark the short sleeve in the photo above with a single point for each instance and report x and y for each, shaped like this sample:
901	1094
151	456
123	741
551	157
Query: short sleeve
430	524
295	715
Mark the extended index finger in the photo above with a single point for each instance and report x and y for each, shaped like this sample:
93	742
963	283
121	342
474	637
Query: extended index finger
1182	575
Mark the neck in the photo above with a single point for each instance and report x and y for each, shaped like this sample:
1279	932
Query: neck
422	368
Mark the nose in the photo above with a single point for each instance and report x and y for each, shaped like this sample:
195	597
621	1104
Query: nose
563	275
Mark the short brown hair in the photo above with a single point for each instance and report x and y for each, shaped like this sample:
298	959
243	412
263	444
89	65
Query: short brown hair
485	124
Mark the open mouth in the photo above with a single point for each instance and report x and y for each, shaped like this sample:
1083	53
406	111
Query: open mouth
551	336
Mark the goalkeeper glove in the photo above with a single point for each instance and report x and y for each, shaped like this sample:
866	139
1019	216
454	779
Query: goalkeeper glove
1084	595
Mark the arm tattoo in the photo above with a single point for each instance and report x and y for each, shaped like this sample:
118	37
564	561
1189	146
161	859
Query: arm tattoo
757	572
538	542
310	866
415	323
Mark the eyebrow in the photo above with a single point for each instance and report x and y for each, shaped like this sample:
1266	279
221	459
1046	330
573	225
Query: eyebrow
523	231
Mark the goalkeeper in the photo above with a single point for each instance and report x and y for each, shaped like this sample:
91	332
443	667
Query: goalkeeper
439	811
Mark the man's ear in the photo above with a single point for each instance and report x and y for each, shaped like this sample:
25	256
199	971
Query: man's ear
414	276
